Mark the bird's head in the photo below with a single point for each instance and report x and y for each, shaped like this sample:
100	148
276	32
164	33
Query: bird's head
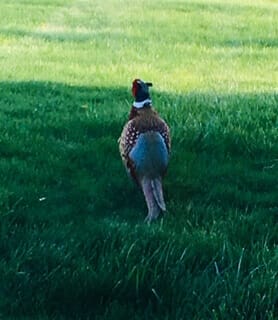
140	91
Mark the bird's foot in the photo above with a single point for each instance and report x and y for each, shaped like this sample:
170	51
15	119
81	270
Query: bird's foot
151	217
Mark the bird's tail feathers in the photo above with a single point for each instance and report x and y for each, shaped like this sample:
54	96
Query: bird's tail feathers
158	193
152	189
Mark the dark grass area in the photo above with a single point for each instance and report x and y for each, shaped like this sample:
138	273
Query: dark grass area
73	242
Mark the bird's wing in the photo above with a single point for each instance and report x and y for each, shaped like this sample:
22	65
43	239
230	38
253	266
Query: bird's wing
164	130
127	141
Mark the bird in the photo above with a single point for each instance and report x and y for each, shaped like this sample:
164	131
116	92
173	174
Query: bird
145	146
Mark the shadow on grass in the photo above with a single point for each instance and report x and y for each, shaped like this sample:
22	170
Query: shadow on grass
59	143
69	243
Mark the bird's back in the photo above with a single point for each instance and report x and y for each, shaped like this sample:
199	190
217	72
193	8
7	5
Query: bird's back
145	144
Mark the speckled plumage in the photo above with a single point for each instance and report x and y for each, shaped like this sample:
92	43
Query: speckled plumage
145	147
141	121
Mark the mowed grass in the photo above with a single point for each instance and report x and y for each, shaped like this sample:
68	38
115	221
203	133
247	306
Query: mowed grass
73	242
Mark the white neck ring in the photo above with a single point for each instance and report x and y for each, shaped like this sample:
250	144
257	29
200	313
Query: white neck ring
141	104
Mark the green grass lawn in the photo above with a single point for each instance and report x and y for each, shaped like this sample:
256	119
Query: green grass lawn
73	242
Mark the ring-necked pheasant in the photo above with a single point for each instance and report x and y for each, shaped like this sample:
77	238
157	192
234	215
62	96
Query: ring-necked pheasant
145	148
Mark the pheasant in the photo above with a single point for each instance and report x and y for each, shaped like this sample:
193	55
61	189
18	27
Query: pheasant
145	148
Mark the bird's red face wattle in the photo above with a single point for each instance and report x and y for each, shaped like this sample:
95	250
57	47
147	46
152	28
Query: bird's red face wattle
134	87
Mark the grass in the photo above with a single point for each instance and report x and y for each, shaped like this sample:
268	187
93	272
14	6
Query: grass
73	244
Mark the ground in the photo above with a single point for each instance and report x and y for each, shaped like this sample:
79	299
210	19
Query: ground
73	242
